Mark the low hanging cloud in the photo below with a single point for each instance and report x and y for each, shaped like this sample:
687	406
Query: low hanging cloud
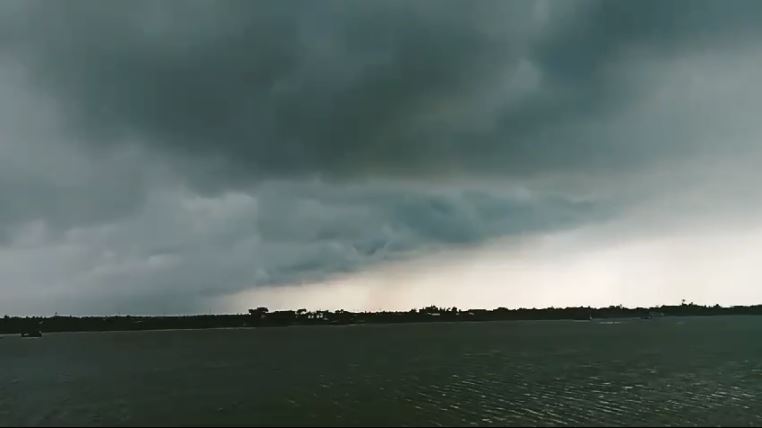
182	248
156	154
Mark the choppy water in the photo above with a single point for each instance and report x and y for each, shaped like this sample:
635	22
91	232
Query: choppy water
696	371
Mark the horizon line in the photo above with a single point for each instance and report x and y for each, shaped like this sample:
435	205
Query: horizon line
447	308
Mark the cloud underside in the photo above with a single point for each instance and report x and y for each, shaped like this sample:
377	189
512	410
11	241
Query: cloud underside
156	154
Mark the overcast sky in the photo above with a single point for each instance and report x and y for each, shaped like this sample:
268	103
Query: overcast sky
170	157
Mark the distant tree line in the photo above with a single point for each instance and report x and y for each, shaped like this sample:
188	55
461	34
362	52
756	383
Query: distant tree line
262	317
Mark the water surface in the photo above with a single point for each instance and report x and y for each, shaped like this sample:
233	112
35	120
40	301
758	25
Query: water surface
672	371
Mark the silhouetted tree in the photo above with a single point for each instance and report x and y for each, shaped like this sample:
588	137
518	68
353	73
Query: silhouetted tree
259	313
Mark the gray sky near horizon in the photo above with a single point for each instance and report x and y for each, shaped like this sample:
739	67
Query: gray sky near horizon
181	157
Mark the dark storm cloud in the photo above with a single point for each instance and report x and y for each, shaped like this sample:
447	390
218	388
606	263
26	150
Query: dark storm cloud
273	88
156	153
341	88
119	192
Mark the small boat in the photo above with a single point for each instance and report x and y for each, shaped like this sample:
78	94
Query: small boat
33	333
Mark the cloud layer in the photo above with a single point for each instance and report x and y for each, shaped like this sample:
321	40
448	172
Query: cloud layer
155	155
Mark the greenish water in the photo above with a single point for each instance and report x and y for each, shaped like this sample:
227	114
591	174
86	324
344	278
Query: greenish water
672	371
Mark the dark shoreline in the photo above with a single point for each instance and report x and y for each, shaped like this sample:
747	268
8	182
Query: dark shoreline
261	317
